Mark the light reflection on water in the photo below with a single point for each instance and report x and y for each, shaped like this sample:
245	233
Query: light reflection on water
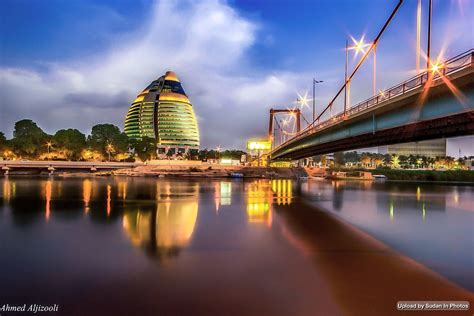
159	218
434	224
164	237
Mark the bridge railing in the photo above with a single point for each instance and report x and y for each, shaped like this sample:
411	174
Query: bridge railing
449	67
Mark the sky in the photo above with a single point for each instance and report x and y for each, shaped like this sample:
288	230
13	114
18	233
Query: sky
74	64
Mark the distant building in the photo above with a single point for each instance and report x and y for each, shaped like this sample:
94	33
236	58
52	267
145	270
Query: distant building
429	148
163	111
469	164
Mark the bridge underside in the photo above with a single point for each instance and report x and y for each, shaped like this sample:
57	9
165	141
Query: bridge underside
450	126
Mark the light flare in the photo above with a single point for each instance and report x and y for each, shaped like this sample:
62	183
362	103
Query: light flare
359	46
303	100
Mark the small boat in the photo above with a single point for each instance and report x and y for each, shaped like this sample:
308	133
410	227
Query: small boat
379	177
236	175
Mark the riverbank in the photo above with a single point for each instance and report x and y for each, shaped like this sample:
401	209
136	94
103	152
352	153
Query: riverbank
156	168
208	171
427	175
448	176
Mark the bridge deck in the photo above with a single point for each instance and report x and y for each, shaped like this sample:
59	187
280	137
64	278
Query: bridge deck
404	113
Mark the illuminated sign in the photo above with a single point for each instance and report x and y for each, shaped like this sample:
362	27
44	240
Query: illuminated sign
259	145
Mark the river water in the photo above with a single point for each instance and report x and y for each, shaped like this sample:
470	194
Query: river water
143	246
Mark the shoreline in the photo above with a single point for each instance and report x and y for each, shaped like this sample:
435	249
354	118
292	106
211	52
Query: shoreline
172	175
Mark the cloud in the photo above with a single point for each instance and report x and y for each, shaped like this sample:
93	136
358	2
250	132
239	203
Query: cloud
205	42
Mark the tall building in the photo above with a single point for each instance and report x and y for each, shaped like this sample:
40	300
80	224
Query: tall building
163	111
429	148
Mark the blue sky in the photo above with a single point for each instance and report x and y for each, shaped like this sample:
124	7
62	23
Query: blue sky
78	63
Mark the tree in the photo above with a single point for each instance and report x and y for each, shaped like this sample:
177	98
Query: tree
378	160
339	158
324	160
366	160
403	161
352	157
145	148
28	139
105	135
3	141
412	160
450	162
395	162
71	141
203	154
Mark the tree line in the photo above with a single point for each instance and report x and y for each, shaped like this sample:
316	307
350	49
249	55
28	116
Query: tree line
376	160
106	142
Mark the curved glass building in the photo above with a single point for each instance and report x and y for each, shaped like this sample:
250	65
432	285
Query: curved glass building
163	111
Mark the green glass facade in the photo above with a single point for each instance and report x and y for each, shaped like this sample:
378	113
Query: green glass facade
163	111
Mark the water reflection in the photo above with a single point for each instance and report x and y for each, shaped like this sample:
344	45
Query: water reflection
86	194
409	217
222	194
8	190
252	251
283	189
164	230
259	201
109	199
47	194
261	194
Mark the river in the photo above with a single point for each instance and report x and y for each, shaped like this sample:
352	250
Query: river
146	246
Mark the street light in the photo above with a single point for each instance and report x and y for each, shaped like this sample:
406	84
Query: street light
49	144
314	97
359	46
218	149
109	149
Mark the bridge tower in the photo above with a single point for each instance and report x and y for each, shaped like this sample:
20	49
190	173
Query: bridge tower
295	112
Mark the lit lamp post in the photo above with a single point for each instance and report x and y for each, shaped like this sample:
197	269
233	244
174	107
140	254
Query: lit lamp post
359	46
49	144
314	97
218	149
110	148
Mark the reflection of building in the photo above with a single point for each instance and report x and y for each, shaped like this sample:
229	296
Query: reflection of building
222	193
258	152
429	148
169	227
163	111
164	231
259	200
